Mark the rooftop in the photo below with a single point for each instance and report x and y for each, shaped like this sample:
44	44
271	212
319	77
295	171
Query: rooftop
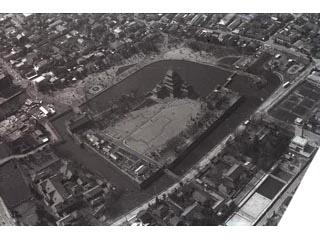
250	211
300	141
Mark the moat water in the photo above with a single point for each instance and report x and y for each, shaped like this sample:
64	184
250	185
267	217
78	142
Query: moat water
203	78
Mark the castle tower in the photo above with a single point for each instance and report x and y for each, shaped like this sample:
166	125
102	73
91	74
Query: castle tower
172	82
173	86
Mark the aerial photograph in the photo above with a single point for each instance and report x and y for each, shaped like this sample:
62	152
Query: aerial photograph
156	119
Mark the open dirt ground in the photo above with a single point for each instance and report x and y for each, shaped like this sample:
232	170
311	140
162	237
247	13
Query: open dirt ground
148	129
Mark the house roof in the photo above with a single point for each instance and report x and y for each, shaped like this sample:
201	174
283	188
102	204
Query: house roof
234	172
93	191
54	185
199	197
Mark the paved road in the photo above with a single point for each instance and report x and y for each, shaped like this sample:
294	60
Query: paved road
281	92
130	217
19	156
205	160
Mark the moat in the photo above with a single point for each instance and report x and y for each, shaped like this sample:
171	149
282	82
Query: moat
203	78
